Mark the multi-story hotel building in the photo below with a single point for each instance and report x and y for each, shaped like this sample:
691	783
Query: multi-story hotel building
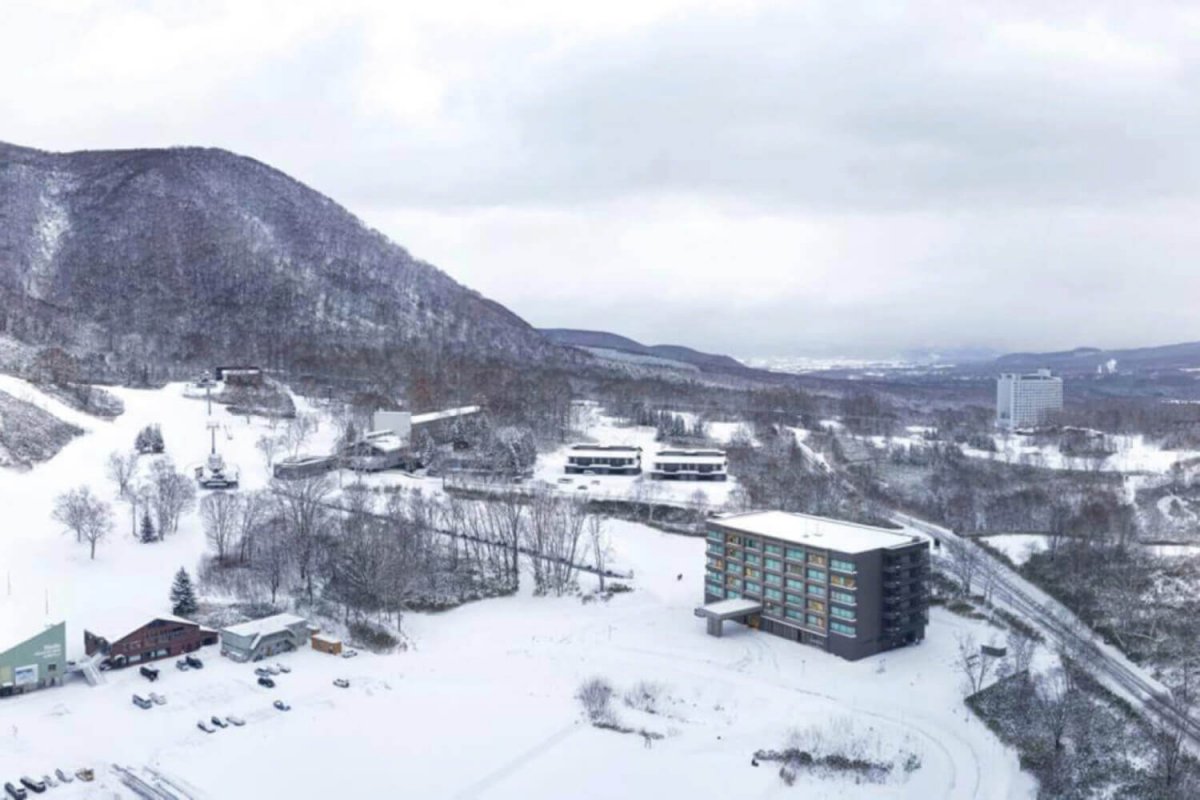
700	465
853	590
1023	401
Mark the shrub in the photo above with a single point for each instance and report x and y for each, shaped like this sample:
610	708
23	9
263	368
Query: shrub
595	695
372	637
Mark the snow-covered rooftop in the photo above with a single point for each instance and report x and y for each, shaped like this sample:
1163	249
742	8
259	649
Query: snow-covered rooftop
603	449
733	607
264	626
434	416
385	441
690	457
805	529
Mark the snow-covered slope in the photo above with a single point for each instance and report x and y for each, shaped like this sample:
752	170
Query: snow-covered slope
482	705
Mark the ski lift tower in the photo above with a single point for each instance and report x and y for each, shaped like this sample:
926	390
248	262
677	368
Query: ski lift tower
212	429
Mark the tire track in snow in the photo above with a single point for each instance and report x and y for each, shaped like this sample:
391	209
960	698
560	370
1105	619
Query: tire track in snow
499	774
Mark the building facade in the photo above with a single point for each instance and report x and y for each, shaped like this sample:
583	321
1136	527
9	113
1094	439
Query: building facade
36	663
852	590
607	459
161	637
260	638
702	465
1024	401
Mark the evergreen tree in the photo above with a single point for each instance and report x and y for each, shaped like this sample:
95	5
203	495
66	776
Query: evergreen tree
147	534
183	596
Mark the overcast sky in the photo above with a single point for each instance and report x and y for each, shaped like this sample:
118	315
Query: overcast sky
752	178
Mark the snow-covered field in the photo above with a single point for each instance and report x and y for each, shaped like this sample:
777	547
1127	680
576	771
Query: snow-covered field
482	703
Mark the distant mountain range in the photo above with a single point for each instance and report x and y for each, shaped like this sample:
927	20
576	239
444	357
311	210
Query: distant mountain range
1094	359
197	256
617	347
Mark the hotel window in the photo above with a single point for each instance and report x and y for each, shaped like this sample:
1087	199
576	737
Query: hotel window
845	583
844	613
753	544
716	536
795	599
817	605
792	583
774	550
819	591
794	614
842	628
734	582
795	553
815	621
816	560
753	559
843	566
716	563
751	586
735	540
816	575
752	573
842	597
716	550
774	594
735	553
714	587
773	610
796	569
732	594
775	579
774	563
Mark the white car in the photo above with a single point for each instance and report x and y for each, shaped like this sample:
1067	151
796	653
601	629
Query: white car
283	668
341	683
349	653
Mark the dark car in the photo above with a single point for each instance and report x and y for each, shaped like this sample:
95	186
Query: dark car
15	792
149	673
220	723
181	665
142	702
282	706
263	680
193	662
33	784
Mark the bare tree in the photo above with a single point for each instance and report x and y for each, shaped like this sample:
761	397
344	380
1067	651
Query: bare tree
121	468
298	431
974	665
302	505
253	512
268	446
221	514
273	555
85	515
171	493
598	539
964	561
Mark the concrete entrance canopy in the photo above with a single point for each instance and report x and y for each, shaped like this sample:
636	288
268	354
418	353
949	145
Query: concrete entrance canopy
734	608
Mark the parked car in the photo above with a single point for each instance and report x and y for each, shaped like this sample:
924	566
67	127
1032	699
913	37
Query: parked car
15	792
46	779
262	672
282	706
149	673
349	653
85	774
220	723
263	680
272	670
158	699
65	777
193	662
341	683
204	726
32	784
141	702
181	665
283	668
238	721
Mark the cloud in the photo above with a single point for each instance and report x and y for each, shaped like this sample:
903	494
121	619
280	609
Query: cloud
747	177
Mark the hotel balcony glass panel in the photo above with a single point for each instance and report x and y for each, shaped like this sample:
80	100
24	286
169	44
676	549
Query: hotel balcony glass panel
775	579
843	566
774	563
816	575
795	553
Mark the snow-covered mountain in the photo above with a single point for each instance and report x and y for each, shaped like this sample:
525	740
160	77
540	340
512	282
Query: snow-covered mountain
192	255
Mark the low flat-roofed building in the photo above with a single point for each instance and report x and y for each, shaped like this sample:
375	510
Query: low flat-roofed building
296	467
324	643
259	638
850	589
377	451
613	459
35	662
678	464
